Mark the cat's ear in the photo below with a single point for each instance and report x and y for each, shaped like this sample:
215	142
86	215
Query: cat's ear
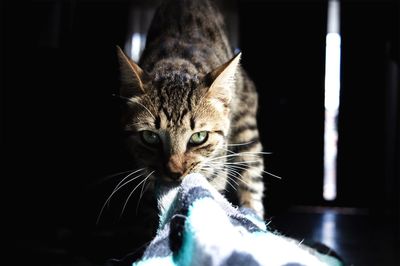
222	80
131	76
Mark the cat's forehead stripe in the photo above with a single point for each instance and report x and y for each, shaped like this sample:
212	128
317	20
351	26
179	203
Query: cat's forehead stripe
157	122
174	92
192	123
173	119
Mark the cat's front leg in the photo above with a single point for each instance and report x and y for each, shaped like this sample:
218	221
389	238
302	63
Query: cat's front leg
245	165
250	179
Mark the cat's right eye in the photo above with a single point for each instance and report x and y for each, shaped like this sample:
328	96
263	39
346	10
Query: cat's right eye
199	138
149	137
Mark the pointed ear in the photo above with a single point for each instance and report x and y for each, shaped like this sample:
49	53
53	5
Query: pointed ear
222	80
130	74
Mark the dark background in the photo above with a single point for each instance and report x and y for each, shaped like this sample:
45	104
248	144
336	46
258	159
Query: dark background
60	132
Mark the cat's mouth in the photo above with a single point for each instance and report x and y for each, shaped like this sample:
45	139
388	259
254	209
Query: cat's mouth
165	181
168	178
172	179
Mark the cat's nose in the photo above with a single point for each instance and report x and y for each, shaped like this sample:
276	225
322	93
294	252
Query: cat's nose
174	168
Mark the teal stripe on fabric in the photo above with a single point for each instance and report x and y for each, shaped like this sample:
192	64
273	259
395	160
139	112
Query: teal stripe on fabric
185	255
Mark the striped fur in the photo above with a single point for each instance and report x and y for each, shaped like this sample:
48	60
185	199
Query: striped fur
187	81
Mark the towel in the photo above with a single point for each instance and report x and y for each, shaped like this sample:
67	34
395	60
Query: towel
198	226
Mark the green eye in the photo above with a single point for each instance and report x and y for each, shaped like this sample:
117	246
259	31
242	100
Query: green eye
149	137
198	138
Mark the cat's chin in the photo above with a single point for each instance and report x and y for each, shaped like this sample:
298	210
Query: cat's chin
168	182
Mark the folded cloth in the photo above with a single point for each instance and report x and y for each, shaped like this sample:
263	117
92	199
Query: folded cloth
198	226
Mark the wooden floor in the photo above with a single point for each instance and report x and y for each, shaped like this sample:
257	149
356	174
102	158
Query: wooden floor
358	238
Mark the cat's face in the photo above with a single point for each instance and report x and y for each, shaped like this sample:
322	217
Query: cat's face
177	121
176	146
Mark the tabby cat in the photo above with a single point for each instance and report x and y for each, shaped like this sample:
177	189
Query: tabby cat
191	107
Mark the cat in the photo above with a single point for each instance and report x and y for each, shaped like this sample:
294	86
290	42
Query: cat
191	107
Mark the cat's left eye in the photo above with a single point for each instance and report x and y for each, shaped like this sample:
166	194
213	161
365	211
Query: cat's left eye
198	138
150	137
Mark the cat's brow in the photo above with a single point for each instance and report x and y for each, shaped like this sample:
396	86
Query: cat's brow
143	124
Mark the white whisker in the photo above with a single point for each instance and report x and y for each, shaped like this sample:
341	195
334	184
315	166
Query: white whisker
118	185
271	174
244	166
243	163
141	193
103	179
130	194
127	177
240	144
241	178
220	170
216	169
237	155
112	194
231	178
224	149
238	167
137	102
229	183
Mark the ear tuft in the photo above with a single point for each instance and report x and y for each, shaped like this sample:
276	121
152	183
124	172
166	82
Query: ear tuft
130	75
222	80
